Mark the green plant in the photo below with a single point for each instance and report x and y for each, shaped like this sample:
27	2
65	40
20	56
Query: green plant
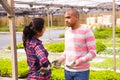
100	47
61	36
18	46
5	68
106	64
57	74
103	34
55	47
104	75
4	29
22	69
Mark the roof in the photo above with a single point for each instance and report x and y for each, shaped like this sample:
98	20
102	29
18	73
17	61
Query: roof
59	6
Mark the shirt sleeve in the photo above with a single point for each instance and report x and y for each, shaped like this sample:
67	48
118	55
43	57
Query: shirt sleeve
41	55
62	57
91	47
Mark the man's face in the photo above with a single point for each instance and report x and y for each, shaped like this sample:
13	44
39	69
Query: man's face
70	19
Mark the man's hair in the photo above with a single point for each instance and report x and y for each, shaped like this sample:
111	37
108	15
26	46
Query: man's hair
74	12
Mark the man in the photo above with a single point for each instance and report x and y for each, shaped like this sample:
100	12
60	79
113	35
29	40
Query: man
80	48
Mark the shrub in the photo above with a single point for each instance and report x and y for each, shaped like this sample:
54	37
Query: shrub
18	46
100	47
59	47
57	74
103	34
55	47
6	69
117	33
22	69
104	75
61	36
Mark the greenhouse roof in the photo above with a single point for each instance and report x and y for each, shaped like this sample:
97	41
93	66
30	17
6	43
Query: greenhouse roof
59	6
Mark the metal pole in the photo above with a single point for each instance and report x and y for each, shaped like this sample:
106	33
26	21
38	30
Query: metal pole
13	41
114	41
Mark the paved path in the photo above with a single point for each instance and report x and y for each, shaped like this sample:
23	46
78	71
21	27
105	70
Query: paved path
49	34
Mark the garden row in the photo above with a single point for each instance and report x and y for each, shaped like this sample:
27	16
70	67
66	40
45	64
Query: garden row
57	74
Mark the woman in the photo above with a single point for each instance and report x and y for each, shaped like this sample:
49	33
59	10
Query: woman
37	56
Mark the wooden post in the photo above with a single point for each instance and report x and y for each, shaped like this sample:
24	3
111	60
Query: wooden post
48	17
114	42
13	40
9	7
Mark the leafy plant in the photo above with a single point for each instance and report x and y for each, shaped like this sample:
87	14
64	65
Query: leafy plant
57	74
104	75
106	64
22	69
5	68
61	36
55	47
100	47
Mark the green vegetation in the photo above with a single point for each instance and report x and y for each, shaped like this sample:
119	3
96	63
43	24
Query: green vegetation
57	74
59	47
103	41
106	64
108	42
4	29
105	33
61	36
20	28
104	75
6	69
100	47
18	46
55	47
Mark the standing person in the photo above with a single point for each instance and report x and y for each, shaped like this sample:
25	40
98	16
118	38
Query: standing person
37	56
80	48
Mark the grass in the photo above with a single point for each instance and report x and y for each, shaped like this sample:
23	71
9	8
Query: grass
4	29
20	28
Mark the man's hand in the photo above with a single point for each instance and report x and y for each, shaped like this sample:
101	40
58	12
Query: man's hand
56	63
72	64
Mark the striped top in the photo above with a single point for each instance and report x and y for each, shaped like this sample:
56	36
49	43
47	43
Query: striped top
80	46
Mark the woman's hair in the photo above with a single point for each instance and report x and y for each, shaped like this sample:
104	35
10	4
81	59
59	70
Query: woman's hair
32	29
